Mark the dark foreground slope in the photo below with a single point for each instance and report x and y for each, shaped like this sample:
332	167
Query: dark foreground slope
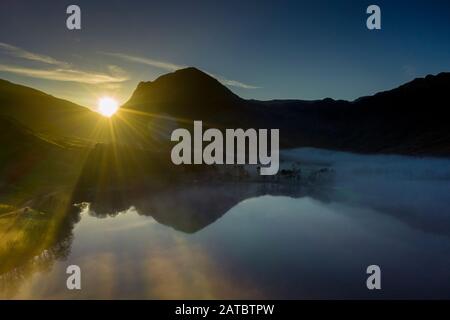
32	161
46	114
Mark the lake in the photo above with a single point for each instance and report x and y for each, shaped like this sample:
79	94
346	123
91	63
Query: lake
273	240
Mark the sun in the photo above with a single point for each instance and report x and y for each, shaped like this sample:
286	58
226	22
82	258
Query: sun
107	106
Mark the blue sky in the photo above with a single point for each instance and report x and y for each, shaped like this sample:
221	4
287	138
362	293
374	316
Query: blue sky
260	49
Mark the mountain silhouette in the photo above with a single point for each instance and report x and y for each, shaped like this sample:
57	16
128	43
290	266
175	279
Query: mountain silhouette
189	85
189	94
410	119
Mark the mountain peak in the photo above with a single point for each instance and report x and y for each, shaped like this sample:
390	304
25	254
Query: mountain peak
188	72
189	86
191	71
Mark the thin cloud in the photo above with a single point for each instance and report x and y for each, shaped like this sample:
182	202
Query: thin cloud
150	62
168	66
64	75
238	84
62	71
24	54
233	83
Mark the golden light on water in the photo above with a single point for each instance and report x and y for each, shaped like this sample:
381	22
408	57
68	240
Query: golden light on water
107	106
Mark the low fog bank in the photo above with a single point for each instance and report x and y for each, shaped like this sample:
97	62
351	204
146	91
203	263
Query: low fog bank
415	189
345	164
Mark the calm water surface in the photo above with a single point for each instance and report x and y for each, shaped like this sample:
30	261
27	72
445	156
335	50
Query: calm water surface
264	244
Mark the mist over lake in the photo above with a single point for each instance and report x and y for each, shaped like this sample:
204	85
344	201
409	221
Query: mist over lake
278	240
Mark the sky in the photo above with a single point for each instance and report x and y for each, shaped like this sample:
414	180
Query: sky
259	49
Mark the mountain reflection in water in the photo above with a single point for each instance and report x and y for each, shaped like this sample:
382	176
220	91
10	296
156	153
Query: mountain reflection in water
237	239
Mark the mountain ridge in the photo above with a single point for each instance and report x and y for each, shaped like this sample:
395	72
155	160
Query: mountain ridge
411	118
195	72
143	84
